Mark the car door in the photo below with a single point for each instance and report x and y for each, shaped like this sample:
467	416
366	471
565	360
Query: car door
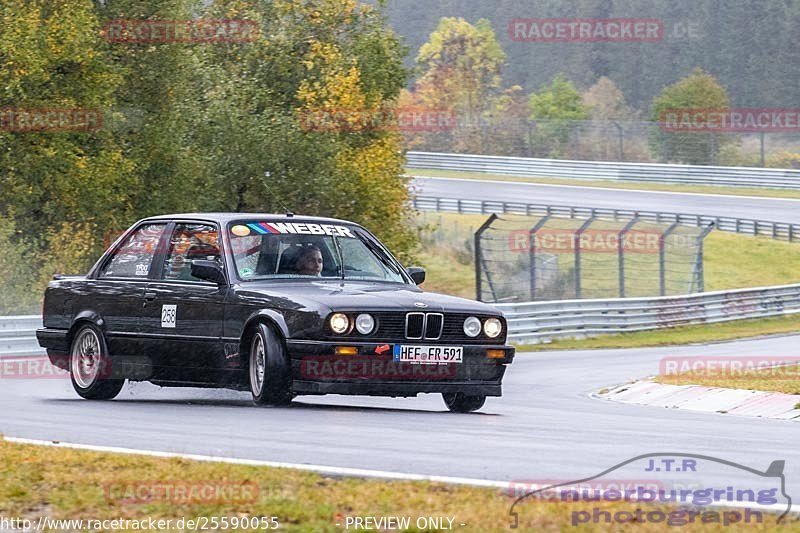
116	291
183	316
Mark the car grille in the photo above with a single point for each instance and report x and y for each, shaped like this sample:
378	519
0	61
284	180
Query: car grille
401	327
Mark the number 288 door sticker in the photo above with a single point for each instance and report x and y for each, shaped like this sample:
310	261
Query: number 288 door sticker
168	315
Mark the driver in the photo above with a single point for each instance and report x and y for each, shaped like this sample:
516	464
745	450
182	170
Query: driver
309	261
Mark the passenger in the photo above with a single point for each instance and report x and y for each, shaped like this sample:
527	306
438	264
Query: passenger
309	261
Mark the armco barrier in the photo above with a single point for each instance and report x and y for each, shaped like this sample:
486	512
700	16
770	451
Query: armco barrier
776	230
534	322
18	336
603	170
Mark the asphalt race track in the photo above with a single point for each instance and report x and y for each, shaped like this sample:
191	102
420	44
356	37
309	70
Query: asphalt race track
777	210
546	426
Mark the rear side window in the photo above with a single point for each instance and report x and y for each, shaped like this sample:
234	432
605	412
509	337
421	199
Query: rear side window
134	257
190	242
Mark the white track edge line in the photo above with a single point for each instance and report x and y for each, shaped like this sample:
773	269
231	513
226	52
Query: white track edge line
321	469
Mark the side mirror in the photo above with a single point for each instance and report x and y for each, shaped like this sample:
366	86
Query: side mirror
417	274
208	271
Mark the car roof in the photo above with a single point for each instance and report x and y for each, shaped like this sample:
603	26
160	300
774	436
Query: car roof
224	218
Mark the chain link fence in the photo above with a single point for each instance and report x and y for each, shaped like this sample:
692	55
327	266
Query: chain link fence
610	140
521	258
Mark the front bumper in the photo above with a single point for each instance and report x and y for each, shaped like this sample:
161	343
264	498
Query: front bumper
371	370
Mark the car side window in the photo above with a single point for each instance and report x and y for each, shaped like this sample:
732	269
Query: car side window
190	242
133	258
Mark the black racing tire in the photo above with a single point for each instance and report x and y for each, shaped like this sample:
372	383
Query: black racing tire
269	368
458	402
90	365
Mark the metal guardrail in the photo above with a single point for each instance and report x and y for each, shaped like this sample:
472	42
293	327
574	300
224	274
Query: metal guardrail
603	170
776	230
18	336
536	322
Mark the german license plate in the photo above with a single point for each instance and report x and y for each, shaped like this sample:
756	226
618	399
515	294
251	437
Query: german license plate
411	353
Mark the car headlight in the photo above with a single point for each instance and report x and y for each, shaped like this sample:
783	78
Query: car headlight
492	328
472	327
339	323
365	324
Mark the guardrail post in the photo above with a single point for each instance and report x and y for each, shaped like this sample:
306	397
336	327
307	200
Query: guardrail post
662	258
479	264
576	243
532	254
698	261
621	253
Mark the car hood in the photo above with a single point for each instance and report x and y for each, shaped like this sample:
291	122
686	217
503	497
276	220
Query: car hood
336	295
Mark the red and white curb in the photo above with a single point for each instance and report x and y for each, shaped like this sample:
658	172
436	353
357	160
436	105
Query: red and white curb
707	399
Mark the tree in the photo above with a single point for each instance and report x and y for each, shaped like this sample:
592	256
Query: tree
310	58
555	108
611	119
698	92
56	179
156	108
605	101
460	67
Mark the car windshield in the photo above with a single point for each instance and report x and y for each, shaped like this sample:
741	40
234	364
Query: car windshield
264	249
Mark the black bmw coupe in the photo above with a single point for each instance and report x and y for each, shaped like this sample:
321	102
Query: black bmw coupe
280	305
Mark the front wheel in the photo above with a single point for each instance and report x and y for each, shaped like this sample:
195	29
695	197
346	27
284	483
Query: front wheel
458	402
90	365
269	370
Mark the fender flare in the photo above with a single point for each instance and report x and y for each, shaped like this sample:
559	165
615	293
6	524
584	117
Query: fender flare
269	315
88	315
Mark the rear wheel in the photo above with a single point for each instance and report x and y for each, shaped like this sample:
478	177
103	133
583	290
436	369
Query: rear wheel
90	365
269	370
458	402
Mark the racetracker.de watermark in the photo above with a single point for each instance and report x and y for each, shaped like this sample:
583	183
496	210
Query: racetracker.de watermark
181	492
768	367
180	31
568	241
55	367
410	119
731	120
48	119
32	367
576	30
371	367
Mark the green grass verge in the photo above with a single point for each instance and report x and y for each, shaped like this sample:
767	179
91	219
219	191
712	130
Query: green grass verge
606	184
74	484
700	333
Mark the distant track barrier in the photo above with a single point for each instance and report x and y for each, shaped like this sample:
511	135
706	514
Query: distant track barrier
18	336
535	322
776	230
604	170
